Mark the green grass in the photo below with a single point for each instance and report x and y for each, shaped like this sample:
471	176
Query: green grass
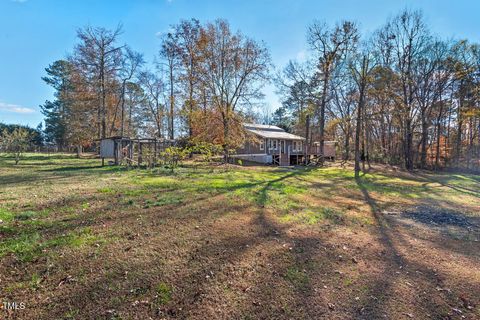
308	196
130	229
28	246
297	277
6	215
163	293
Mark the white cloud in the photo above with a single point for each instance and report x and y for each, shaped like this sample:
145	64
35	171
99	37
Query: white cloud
8	107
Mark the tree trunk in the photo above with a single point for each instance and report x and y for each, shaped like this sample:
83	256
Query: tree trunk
122	125
346	156
307	128
458	143
437	148
172	104
408	143
423	151
226	133
322	114
358	132
104	97
79	151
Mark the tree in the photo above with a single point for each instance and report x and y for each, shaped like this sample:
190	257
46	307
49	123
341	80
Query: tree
59	77
361	68
170	53
408	39
15	142
330	46
130	64
342	109
190	37
297	90
234	69
282	119
153	88
98	58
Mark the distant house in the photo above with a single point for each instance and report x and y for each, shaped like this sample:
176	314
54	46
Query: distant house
273	145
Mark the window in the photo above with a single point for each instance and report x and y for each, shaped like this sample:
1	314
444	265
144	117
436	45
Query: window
274	144
297	146
262	144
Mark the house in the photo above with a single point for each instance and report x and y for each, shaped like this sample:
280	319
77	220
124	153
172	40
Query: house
272	145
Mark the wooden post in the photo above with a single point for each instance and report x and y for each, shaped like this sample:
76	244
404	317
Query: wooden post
139	153
130	152
154	153
115	152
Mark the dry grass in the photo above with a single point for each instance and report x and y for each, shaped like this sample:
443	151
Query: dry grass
79	241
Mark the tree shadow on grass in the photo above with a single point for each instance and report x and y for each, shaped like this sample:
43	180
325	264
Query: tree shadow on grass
382	290
460	189
247	262
80	168
209	264
419	274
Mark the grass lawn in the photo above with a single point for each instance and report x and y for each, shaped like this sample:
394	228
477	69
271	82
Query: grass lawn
81	241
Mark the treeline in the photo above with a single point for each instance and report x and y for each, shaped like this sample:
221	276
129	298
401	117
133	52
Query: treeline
201	86
35	138
400	96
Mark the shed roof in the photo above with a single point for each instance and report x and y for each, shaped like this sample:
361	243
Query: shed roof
270	132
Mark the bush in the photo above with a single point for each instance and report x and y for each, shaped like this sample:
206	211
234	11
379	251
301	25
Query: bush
207	150
172	156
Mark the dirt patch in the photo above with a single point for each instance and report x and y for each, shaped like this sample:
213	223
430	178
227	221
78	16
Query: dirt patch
441	217
445	222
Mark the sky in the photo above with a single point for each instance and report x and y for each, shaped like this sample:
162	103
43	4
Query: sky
34	33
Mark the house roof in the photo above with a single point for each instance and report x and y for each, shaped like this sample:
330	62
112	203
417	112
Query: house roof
270	132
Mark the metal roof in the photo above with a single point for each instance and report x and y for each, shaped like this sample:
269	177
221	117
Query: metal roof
271	132
266	127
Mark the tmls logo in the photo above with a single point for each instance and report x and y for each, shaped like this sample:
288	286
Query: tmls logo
13	305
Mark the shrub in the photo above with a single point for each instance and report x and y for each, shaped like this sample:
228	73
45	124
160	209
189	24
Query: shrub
172	156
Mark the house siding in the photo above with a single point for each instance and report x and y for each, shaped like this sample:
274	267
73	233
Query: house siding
251	147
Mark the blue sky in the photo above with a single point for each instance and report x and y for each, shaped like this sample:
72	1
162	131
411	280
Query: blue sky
34	33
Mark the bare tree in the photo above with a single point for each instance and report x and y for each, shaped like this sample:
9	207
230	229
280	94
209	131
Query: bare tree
170	54
408	39
154	90
98	58
131	62
361	67
330	46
